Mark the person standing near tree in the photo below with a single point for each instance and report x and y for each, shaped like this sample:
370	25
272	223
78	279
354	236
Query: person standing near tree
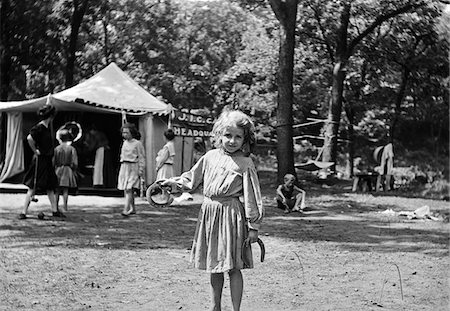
41	176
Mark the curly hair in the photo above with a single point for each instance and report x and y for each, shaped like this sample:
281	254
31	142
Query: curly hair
238	119
133	130
46	112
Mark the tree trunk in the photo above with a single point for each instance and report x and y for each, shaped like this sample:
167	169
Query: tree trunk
344	50
398	103
334	117
351	145
337	89
5	55
77	17
286	13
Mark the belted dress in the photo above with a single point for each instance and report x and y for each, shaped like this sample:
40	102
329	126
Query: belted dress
232	205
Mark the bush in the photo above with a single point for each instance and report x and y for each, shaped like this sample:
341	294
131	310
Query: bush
439	189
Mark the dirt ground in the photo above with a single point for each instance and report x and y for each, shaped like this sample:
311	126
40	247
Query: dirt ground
343	253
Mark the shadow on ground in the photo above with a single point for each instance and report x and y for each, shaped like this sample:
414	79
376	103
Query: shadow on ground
353	224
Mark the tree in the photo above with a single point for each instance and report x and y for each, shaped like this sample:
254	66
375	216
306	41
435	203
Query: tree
78	10
341	42
286	13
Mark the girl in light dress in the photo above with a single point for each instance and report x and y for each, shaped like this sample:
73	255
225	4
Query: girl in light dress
232	210
164	159
132	165
65	160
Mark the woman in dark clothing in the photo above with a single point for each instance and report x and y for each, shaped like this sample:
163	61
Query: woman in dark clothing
40	141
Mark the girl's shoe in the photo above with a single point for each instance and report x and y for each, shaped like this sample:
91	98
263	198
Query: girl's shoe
59	214
22	216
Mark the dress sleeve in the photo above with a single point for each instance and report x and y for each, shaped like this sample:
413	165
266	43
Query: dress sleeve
35	132
141	158
74	158
191	179
163	155
254	210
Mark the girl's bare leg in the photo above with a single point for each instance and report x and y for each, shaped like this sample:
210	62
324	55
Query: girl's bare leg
57	198
132	207
128	195
299	202
52	199
236	287
26	204
65	198
216	290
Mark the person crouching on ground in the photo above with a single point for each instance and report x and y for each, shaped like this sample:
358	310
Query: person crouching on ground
289	196
41	176
66	162
132	165
232	208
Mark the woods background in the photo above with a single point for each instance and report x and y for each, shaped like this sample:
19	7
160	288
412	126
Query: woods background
377	70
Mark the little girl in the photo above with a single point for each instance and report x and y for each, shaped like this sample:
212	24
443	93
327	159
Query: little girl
164	159
65	160
232	209
132	165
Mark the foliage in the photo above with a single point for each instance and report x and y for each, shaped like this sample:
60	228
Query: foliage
211	54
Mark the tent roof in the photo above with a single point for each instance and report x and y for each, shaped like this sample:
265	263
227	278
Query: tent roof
110	90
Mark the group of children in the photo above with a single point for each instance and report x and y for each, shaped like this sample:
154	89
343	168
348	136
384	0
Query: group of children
52	169
232	210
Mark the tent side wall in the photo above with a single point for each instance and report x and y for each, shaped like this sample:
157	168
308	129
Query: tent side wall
184	149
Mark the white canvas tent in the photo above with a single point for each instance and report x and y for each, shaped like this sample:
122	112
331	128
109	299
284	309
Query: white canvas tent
110	91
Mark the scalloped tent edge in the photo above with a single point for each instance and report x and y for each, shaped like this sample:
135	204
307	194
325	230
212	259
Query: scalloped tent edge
110	90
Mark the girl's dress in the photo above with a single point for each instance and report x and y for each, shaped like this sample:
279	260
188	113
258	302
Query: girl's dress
232	203
66	161
132	164
46	178
165	160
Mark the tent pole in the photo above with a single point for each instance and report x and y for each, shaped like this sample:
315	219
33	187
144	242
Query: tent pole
182	154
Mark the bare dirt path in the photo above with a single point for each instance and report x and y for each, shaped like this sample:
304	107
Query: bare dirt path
341	254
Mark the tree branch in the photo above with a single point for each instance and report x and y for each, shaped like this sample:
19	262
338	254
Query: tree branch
381	19
322	31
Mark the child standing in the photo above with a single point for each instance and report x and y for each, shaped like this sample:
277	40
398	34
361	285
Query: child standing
132	165
289	196
232	210
164	159
65	161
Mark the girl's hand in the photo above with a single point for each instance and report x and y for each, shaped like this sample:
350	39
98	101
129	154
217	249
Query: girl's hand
252	237
166	182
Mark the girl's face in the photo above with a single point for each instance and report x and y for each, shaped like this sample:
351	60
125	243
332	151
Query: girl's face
232	139
126	134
